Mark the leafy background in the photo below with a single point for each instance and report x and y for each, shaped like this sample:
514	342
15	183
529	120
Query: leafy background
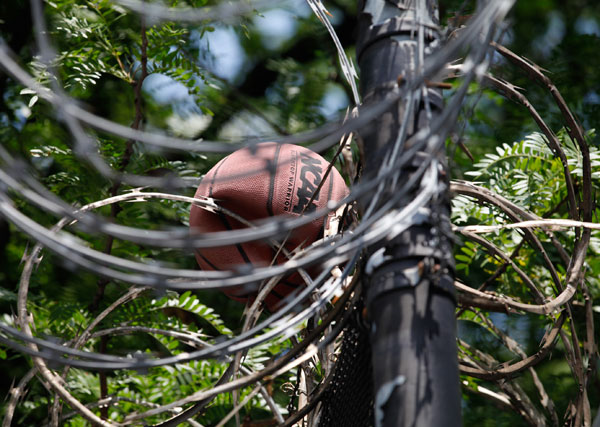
220	81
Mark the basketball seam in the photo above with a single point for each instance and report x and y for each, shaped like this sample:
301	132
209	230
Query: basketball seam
290	284
239	247
222	216
276	294
273	175
214	177
206	260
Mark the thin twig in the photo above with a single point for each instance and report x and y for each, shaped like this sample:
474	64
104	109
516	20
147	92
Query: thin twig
514	212
283	364
16	393
548	224
495	251
573	127
507	304
510	370
514	346
551	138
238	407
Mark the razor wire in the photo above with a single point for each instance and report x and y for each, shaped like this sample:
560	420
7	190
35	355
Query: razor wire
379	233
380	221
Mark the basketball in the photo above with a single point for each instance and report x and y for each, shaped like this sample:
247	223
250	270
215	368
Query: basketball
259	182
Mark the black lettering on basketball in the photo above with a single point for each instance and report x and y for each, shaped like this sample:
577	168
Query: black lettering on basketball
291	181
308	185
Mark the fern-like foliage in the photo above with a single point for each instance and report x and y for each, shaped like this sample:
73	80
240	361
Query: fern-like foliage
528	174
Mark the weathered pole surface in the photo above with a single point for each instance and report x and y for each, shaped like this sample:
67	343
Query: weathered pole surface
409	282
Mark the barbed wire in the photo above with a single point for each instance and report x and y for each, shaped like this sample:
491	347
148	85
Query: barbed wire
68	248
379	222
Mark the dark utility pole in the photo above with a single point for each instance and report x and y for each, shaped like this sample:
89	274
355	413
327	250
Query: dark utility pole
409	280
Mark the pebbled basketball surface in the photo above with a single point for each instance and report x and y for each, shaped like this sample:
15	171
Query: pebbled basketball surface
266	180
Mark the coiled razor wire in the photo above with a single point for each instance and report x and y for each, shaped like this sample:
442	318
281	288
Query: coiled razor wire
378	223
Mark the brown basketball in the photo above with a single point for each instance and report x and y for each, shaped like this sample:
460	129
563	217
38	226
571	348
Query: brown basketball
267	180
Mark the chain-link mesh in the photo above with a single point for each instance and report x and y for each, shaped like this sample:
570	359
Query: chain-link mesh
348	401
